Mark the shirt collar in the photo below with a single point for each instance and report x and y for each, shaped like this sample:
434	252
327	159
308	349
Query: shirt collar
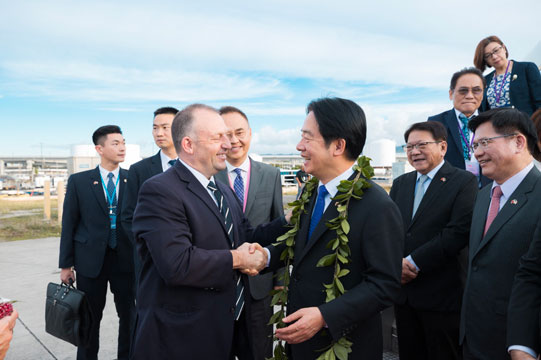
104	172
200	177
509	186
458	113
332	186
245	166
165	159
432	172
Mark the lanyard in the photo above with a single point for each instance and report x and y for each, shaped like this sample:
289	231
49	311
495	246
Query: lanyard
503	83
466	140
111	197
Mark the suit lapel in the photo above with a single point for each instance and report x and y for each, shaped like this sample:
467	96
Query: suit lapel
452	125
405	198
255	180
122	183
195	187
434	189
302	234
97	189
156	164
515	202
223	177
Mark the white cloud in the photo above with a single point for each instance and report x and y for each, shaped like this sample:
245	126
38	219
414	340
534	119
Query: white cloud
269	140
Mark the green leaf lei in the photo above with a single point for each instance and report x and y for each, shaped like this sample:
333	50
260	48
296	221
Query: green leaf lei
339	257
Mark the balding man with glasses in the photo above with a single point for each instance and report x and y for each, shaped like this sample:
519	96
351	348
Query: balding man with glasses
504	223
466	93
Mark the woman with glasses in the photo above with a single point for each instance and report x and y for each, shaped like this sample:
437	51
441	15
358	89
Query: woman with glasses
512	83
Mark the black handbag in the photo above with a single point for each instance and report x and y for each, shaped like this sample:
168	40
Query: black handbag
68	315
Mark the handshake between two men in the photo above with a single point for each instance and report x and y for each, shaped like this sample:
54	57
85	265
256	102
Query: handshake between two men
250	258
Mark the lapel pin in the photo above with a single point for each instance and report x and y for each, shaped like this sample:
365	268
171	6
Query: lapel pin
514	201
95	183
514	77
125	180
443	179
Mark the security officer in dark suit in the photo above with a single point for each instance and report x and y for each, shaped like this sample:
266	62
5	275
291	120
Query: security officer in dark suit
93	244
142	170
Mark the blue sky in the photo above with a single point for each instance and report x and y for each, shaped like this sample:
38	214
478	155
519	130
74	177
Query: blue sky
69	67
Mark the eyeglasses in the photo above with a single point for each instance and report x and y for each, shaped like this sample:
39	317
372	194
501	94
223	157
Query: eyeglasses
485	142
419	146
494	52
239	134
476	91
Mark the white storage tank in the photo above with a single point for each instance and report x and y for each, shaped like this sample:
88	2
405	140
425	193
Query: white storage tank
382	152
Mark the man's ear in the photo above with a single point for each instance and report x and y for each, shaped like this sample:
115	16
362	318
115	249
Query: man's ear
339	147
187	145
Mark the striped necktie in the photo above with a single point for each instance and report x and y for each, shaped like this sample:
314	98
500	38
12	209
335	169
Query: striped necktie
224	210
466	132
238	186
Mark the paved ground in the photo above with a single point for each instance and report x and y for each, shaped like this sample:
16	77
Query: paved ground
26	267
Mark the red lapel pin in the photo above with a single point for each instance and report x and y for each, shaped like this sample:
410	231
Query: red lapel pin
514	201
443	179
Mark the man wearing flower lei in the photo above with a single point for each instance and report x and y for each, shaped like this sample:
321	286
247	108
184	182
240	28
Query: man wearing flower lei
345	245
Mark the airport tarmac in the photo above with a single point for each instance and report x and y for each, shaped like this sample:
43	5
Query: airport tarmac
26	267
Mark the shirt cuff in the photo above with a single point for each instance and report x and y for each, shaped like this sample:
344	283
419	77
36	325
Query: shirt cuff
523	348
410	259
268	256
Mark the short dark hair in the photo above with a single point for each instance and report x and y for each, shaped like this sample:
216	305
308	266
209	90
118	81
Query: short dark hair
340	119
470	70
479	57
166	110
98	137
536	120
438	131
182	123
507	121
231	109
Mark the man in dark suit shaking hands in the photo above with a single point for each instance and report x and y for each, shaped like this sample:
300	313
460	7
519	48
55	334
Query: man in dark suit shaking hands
93	242
143	170
192	238
333	136
436	203
259	189
505	221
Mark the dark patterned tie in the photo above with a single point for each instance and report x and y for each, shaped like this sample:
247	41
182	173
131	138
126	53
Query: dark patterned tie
318	210
238	185
466	132
224	210
172	162
112	210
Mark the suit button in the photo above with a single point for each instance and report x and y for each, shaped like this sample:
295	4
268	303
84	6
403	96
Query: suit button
512	106
232	310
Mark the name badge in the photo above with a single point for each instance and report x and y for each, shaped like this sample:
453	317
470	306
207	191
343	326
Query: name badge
473	167
112	217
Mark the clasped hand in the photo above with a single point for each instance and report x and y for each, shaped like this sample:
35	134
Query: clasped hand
250	258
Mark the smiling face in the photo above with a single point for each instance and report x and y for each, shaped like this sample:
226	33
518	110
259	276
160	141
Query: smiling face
499	159
316	154
430	156
208	147
161	131
472	86
112	150
240	135
495	55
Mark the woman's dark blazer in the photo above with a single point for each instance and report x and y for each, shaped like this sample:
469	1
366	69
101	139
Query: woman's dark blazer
525	87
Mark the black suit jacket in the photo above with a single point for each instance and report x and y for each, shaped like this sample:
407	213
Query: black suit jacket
524	305
86	225
186	295
373	284
138	173
454	154
263	204
524	90
435	235
493	262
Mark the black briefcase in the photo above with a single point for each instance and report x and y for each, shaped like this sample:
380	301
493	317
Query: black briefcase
68	315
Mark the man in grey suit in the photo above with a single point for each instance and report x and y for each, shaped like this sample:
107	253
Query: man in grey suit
504	223
259	190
